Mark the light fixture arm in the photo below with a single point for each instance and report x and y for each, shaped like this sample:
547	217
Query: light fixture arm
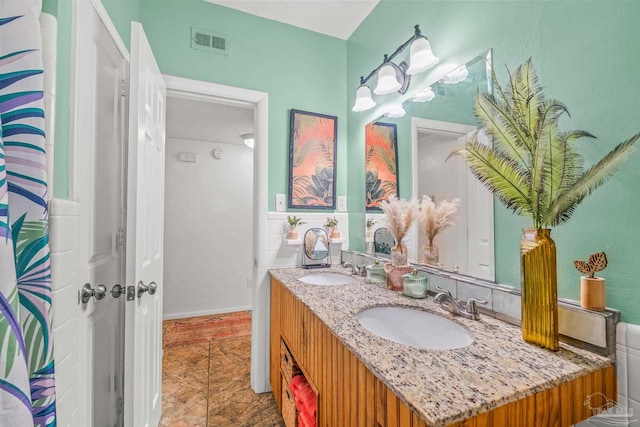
388	58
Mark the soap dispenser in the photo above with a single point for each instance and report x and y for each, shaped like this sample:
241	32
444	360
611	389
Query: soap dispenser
414	285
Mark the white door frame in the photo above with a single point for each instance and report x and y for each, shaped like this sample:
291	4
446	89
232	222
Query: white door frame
447	128
260	298
82	388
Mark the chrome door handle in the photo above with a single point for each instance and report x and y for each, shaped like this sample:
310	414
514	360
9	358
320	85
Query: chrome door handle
87	292
142	288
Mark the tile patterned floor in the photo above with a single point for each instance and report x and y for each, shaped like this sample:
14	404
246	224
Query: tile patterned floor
205	375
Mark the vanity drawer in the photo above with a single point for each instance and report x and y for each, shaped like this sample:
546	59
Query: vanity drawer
289	410
288	365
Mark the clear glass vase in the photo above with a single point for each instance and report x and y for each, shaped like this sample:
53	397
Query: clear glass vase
539	281
399	255
431	254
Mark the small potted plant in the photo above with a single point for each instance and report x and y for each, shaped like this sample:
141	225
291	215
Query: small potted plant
332	223
294	222
370	223
592	288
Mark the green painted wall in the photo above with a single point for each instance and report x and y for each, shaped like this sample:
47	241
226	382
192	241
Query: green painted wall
122	12
61	9
299	69
587	55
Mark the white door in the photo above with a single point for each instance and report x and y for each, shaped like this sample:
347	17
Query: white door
480	214
100	130
145	218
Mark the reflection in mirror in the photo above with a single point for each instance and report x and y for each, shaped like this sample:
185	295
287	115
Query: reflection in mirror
316	248
383	242
438	119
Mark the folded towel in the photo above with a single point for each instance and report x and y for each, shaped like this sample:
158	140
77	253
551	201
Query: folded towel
305	399
295	383
306	420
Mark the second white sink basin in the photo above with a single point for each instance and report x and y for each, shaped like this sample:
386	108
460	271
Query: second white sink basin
415	328
326	279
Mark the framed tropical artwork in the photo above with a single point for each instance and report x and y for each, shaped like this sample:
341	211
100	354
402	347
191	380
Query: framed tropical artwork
312	160
381	163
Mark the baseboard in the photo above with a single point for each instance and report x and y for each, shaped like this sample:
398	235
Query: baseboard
205	312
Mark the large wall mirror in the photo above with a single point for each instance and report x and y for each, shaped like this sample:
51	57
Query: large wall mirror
434	124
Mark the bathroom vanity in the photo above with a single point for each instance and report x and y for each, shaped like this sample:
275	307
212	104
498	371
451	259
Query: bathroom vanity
364	380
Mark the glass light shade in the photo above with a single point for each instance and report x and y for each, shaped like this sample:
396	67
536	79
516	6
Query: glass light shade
456	76
422	58
387	81
424	95
248	139
364	101
394	111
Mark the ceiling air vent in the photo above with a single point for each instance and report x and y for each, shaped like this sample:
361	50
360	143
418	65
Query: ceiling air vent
210	41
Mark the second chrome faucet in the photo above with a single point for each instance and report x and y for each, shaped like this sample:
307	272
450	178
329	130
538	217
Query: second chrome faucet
467	309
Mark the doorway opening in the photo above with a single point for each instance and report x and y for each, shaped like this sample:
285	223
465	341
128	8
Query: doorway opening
467	247
208	207
215	209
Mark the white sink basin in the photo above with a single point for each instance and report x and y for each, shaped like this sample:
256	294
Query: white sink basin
415	328
326	279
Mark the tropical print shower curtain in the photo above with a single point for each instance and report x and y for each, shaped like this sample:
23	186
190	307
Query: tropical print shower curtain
27	394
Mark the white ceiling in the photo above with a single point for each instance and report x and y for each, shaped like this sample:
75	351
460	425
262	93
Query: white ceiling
207	121
336	18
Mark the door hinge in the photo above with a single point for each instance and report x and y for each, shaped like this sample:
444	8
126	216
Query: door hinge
120	239
123	88
120	406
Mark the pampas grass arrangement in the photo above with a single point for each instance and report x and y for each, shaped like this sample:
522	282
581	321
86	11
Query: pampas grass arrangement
399	214
435	217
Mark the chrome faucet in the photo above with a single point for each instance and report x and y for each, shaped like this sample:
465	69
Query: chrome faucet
468	310
360	271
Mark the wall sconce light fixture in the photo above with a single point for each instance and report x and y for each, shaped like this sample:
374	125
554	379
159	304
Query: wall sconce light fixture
394	77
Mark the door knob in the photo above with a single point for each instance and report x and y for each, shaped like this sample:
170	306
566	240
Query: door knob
87	292
118	290
142	288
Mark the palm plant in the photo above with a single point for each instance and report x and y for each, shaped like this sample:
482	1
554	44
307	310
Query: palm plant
533	167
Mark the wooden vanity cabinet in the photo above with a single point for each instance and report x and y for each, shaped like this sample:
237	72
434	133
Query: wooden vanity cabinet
350	395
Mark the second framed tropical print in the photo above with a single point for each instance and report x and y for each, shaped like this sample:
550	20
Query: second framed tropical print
312	160
381	163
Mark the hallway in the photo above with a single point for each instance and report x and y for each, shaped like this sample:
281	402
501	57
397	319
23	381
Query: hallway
205	375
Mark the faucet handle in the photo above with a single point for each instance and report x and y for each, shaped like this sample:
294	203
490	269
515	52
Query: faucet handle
472	309
446	291
471	304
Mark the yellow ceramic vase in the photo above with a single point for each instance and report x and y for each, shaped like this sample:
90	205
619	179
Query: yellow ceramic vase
539	281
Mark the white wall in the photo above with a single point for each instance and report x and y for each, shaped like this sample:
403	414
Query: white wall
208	229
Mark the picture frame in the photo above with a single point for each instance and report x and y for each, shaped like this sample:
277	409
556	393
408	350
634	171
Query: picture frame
313	141
381	164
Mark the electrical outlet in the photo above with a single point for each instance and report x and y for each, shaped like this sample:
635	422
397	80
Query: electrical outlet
249	283
342	203
281	202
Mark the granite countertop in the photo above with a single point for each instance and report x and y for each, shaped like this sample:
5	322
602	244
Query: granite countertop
441	386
